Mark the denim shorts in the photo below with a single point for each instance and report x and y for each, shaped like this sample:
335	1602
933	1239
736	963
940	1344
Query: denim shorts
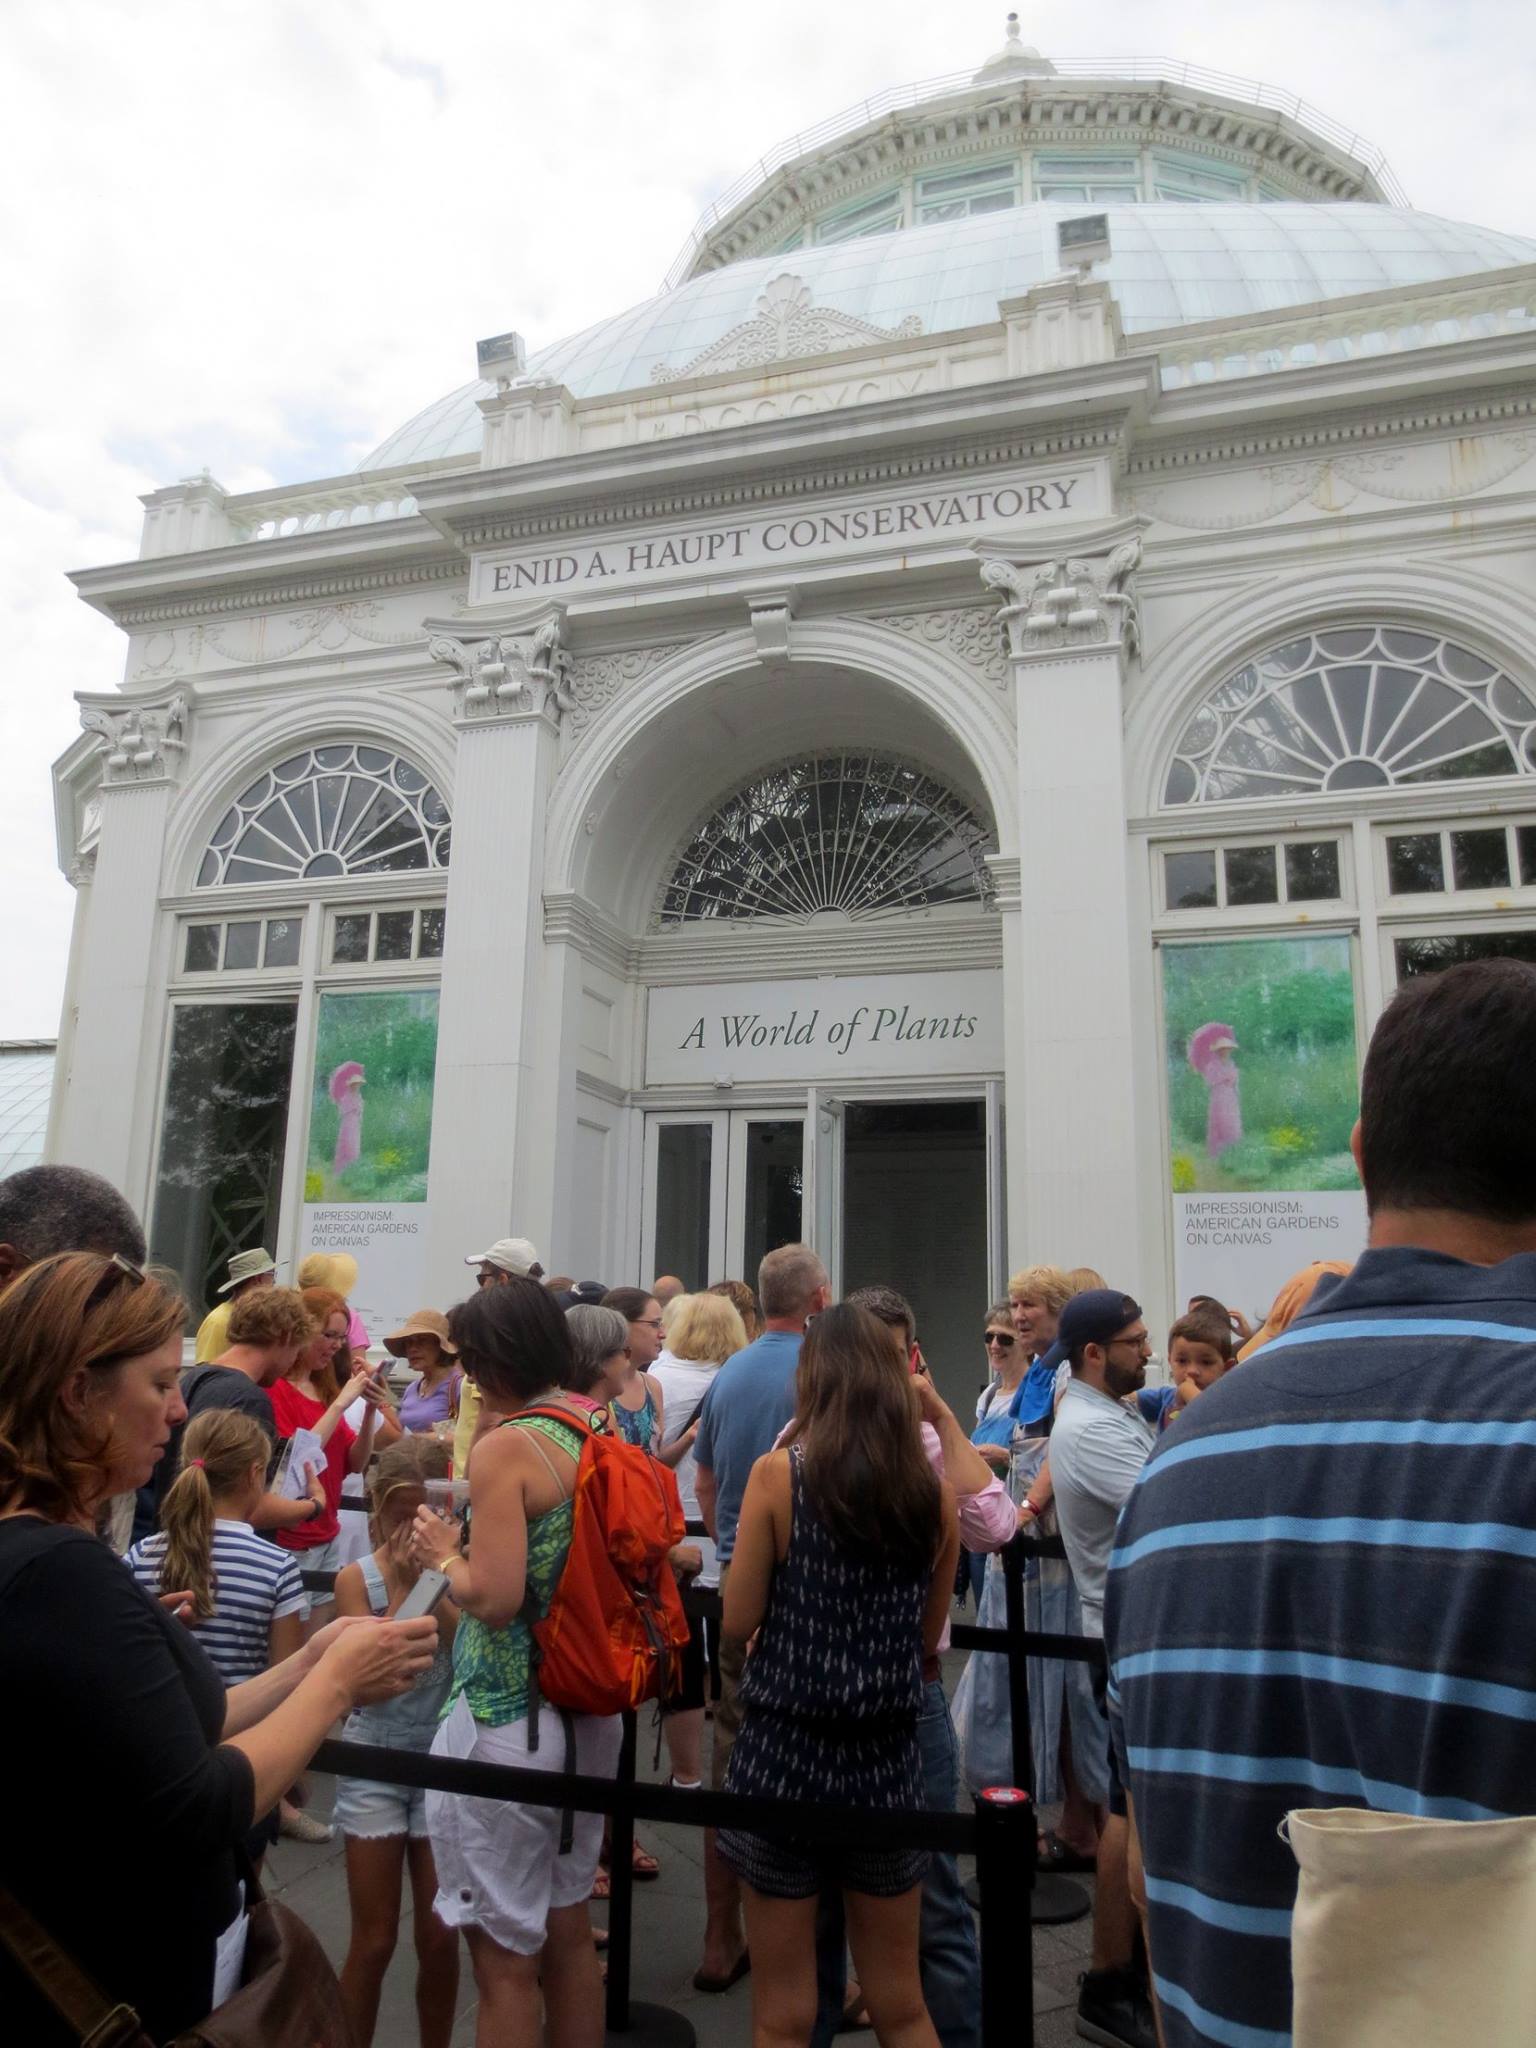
369	1812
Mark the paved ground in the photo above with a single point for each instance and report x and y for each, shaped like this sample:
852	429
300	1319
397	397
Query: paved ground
668	1927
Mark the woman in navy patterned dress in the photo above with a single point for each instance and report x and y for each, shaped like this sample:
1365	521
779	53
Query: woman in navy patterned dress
845	1557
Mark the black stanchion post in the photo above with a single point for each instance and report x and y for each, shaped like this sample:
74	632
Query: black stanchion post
621	1892
1018	1668
1005	1855
636	2025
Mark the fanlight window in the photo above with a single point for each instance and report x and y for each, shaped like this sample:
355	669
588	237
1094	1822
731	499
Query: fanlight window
1353	708
852	834
332	811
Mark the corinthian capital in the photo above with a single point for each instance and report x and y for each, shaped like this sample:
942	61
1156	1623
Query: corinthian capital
1069	601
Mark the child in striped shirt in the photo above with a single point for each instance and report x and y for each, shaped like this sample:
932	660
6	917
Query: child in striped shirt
247	1599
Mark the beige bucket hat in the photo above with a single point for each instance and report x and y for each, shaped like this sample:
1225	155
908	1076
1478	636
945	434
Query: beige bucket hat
425	1322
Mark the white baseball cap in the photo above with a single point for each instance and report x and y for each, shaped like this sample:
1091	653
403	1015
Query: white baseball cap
511	1255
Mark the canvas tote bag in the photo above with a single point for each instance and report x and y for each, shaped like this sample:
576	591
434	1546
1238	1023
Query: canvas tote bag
1413	1931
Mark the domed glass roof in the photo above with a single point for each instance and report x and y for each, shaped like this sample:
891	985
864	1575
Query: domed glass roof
1172	265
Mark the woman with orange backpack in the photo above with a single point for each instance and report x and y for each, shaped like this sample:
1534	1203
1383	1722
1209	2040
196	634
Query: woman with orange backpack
517	1878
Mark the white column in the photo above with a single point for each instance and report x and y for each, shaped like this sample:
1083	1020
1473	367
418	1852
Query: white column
490	1177
82	873
112	1061
1072	1184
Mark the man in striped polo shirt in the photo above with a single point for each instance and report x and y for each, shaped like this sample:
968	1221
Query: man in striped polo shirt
1323	1588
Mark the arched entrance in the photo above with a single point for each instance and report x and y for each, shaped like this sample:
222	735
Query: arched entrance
814	999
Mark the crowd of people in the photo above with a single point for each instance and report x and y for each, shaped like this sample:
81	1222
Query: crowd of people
1308	1554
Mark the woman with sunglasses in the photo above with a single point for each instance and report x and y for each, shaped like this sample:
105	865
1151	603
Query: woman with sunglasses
162	1763
993	1434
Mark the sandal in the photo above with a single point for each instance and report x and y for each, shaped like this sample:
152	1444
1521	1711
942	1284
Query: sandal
1057	1860
600	1885
643	1864
734	1975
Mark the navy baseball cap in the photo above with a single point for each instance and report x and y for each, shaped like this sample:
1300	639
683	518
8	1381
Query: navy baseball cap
1094	1317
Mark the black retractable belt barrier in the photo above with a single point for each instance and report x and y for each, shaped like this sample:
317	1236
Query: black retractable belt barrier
1001	1834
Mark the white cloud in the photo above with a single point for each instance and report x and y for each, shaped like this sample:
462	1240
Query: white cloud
260	234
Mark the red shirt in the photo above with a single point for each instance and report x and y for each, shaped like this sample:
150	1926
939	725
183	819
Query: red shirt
293	1410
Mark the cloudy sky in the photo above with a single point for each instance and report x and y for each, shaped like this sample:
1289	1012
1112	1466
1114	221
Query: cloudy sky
257	235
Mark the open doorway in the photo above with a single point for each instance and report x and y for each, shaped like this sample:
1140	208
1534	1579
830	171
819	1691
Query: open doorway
914	1215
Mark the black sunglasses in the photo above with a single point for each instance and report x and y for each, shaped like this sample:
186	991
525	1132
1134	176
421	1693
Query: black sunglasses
1000	1338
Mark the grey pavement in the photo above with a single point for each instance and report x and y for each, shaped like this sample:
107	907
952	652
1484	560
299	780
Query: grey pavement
668	1930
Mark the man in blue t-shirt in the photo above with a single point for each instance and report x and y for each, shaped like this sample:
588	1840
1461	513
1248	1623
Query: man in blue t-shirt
1323	1583
749	1401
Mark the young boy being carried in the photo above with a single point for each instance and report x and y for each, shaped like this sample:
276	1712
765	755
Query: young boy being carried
1199	1352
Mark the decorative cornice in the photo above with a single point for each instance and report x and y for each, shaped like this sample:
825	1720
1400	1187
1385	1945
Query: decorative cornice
767	491
1384	424
134	616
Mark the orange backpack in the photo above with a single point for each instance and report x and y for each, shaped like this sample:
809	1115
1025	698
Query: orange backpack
615	1630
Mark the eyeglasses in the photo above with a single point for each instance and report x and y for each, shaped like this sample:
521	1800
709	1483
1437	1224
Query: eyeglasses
118	1269
326	1337
1139	1343
1001	1339
648	1322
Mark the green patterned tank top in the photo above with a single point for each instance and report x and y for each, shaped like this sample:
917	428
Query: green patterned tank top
490	1665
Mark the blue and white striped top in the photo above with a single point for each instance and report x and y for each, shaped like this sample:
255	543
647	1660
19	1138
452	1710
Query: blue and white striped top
255	1584
1323	1593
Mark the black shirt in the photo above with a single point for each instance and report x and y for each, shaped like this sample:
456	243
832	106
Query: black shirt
202	1387
122	1814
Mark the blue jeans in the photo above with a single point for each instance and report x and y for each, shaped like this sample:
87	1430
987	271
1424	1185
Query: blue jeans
948	1957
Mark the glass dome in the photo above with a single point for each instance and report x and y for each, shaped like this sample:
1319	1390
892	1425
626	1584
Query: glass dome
1172	265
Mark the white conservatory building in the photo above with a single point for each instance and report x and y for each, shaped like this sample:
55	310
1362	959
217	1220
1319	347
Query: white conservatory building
951	719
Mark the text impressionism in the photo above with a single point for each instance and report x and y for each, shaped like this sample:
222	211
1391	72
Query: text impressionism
785	538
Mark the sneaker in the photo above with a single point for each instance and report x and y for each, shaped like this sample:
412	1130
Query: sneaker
1113	2009
303	1827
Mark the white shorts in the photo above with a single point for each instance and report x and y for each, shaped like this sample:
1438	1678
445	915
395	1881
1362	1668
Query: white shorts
499	1866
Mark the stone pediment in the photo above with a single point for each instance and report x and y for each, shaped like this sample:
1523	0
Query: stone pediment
785	323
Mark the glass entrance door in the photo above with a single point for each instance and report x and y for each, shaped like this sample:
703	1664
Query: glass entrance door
722	1188
908	1193
915	1217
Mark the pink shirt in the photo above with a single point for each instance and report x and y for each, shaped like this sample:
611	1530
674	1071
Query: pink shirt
988	1520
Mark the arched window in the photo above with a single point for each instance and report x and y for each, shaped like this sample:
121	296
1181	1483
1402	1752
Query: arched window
850	833
330	811
1353	708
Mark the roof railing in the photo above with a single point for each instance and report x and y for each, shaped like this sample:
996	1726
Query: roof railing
1112	71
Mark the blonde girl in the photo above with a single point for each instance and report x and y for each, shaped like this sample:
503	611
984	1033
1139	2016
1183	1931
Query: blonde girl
246	1596
247	1600
385	1825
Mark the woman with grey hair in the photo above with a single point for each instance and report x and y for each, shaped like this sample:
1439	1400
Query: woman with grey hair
599	1352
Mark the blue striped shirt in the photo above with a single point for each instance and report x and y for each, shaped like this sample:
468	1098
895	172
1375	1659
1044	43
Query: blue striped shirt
254	1584
1323	1593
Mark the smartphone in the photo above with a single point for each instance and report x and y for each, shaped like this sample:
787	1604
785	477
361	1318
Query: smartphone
422	1597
